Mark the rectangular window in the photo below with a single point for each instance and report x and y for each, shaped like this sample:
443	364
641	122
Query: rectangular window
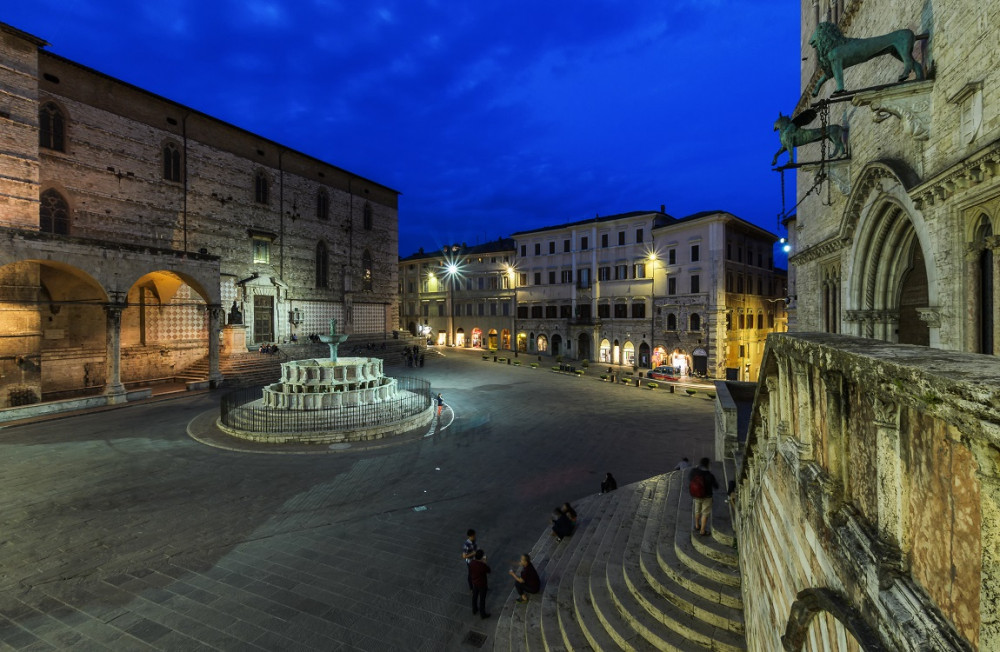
538	248
566	246
672	285
604	310
638	310
695	284
425	309
524	250
603	273
729	251
621	238
621	311
621	272
505	309
639	270
739	254
739	284
565	312
567	276
672	257
729	282
604	240
536	312
524	279
409	287
522	312
551	312
552	278
261	250
760	259
552	247
494	283
695	253
538	278
638	236
481	282
505	282
583	278
482	309
584	244
583	311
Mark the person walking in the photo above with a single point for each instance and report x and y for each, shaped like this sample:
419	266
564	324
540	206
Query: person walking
440	402
685	463
527	581
469	549
700	486
478	571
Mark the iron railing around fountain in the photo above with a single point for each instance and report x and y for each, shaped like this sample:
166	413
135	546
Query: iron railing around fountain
243	409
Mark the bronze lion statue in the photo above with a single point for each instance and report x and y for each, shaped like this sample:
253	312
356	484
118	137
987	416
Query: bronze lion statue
836	52
792	133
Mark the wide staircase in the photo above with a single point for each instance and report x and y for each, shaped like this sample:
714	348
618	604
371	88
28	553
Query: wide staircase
634	576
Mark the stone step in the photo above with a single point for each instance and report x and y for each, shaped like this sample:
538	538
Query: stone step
691	556
599	601
660	622
705	605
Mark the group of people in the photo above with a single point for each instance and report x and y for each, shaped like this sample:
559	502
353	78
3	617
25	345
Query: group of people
268	349
413	357
563	521
526	579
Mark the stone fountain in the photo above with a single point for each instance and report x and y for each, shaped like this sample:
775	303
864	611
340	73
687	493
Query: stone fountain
333	399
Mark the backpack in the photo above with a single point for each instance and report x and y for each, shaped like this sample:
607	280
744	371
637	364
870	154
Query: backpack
697	486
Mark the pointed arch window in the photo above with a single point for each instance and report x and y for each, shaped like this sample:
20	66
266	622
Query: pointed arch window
366	272
695	322
171	162
261	188
322	266
671	322
51	127
53	213
985	308
368	217
322	205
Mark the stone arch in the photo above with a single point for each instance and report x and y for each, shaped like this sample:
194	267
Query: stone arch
556	344
889	237
823	602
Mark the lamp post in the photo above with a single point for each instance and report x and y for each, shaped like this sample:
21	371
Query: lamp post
512	283
652	308
450	272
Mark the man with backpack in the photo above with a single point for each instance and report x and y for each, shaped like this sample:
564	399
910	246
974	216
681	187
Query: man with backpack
701	484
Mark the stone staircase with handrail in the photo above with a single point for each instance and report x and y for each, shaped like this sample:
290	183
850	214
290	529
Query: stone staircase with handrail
634	576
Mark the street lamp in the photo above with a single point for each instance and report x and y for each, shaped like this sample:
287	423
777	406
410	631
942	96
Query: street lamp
652	308
452	270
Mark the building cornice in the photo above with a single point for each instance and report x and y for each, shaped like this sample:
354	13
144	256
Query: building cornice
819	250
969	172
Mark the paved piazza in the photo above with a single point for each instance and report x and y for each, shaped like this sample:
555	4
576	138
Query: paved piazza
119	531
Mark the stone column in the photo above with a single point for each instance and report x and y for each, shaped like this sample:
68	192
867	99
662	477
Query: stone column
215	317
988	475
993	242
889	471
113	387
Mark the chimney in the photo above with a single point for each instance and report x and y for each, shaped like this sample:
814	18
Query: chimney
663	208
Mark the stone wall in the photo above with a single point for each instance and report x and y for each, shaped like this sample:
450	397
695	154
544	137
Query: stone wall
868	494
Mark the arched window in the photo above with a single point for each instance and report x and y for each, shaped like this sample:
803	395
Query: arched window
53	213
671	322
261	188
696	322
171	162
368	217
322	266
51	127
322	205
985	310
366	271
760	321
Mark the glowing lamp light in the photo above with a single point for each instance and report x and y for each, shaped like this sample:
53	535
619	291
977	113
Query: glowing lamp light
786	248
451	268
782	240
652	257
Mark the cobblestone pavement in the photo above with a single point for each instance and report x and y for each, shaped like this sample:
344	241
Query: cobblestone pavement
118	531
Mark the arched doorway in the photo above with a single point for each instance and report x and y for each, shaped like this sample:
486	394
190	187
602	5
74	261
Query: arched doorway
492	339
912	297
531	341
543	344
699	361
460	337
628	357
679	360
412	327
583	346
477	337
505	339
556	344
605	351
616	353
983	305
644	355
522	342
659	356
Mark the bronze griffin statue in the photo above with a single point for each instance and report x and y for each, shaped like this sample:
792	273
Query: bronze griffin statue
793	134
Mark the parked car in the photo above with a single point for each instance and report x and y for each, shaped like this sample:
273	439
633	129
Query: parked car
664	372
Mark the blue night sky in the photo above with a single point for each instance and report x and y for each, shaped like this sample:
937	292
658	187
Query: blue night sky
489	117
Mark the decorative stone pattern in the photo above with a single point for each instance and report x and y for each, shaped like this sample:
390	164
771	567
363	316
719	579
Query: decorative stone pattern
893	513
325	384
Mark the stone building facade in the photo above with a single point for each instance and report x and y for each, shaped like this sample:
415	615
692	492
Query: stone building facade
471	304
137	221
868	508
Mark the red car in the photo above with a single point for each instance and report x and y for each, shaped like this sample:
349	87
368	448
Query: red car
664	373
